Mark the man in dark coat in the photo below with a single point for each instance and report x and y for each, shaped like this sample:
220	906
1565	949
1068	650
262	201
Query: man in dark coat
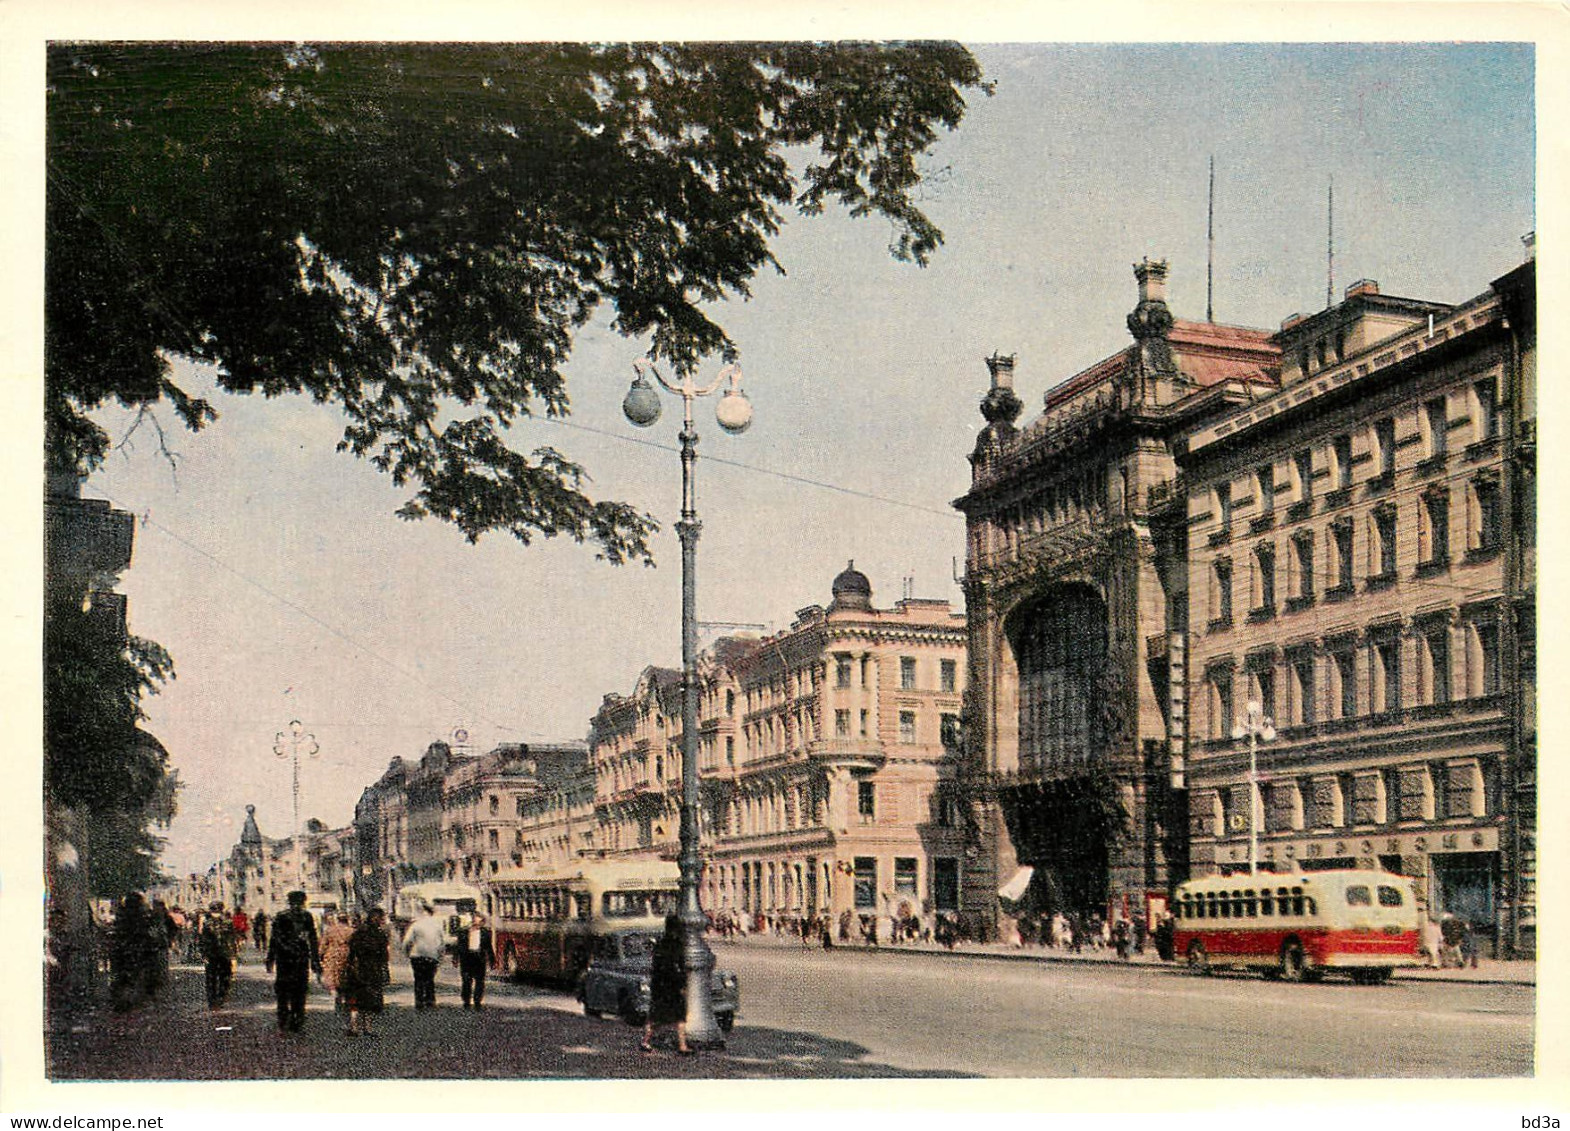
293	952
474	955
218	947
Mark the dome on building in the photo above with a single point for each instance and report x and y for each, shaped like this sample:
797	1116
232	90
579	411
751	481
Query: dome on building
851	589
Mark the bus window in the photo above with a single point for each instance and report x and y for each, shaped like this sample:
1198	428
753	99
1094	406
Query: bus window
583	906
1225	904
1358	895
1389	896
1237	905
1250	904
1297	901
1266	903
1210	905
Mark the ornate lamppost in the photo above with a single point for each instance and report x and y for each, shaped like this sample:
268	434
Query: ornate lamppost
734	413
290	744
1259	728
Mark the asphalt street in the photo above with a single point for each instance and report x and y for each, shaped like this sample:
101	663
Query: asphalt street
810	1014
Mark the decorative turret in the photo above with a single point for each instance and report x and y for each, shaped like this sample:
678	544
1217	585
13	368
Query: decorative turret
1151	321
1001	407
250	835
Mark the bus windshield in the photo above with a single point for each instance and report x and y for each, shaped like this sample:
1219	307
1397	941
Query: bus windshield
638	904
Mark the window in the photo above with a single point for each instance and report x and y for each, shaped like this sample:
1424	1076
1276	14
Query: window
1483	525
945	883
1485	395
866	802
730	702
730	750
864	719
907	727
1483	663
1385	443
1224	505
1303	566
1221	592
1302	690
1387	677
842	723
1434	428
1343	453
866	882
907	673
1390	896
905	876
1341	555
949	731
493	840
1265	578
1433	536
1303	462
948	811
1358	895
948	672
495	804
1265	480
866	671
1221	714
841	671
1344	669
1382	546
1436	665
1263	680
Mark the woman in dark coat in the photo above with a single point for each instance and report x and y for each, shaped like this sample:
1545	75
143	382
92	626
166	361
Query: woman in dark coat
365	972
668	987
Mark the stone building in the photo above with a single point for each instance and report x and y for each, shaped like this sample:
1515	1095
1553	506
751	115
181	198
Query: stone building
1361	568
1334	522
839	797
1076	606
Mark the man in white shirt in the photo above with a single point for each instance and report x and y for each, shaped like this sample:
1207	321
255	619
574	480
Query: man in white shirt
424	943
474	953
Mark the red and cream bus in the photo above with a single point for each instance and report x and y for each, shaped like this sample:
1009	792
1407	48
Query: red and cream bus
546	919
1297	926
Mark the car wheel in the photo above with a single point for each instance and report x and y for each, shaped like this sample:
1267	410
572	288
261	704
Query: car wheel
590	1011
1198	958
629	1012
1294	964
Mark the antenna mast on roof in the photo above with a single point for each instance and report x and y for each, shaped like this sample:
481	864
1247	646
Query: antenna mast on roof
1330	248
1210	235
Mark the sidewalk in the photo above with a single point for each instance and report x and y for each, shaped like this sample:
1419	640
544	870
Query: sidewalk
1493	971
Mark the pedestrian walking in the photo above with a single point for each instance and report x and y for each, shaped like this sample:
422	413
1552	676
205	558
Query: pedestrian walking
365	973
474	954
1469	946
293	953
218	948
668	987
259	929
424	943
241	924
335	952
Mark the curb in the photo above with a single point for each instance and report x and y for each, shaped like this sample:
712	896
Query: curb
1407	974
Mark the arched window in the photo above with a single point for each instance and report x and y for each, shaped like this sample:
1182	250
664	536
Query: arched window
1060	647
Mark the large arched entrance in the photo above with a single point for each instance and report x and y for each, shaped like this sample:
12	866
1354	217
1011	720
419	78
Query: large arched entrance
1062	810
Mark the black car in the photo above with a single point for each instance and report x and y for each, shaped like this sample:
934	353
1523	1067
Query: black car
617	980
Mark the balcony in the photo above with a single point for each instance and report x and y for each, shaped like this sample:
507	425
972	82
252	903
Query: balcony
848	753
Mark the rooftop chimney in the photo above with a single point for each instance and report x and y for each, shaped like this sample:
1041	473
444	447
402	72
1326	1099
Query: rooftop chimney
1002	370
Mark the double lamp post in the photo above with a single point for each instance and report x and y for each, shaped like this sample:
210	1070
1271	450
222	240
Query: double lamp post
734	413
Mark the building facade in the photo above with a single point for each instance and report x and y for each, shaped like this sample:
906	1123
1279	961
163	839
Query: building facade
1075	597
1360	572
1333	524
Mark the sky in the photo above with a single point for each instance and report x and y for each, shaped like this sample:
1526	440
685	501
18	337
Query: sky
277	575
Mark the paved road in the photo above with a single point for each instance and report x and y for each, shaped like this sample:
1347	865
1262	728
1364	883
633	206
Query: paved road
807	1014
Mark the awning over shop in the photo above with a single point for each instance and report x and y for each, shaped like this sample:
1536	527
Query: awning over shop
1015	888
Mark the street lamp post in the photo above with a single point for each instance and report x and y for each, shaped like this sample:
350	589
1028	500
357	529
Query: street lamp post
1259	728
734	413
289	744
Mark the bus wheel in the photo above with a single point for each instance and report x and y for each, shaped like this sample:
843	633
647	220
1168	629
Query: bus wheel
509	964
1371	975
1294	964
1198	959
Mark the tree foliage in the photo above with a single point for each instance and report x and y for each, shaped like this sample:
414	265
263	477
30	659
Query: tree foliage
96	757
413	233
